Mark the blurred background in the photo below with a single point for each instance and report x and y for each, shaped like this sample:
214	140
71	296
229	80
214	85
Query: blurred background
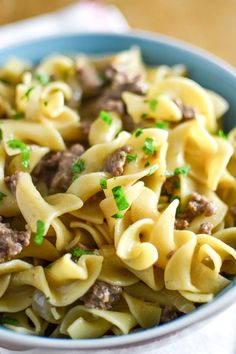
210	24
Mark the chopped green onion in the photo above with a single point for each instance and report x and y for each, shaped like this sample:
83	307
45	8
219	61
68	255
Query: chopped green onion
149	147
28	92
152	170
106	117
9	321
147	164
144	115
18	144
138	132
103	183
222	134
131	157
45	103
153	105
118	215
78	252
18	115
2	195
119	197
42	78
182	170
40	231
77	168
162	125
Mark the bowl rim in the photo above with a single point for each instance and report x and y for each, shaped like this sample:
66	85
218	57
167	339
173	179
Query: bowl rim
144	336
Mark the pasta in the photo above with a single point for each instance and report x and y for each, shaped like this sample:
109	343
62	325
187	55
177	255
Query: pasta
117	195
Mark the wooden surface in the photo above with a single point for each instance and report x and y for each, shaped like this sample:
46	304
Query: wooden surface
210	24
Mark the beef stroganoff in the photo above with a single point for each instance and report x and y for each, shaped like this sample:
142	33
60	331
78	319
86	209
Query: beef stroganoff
117	195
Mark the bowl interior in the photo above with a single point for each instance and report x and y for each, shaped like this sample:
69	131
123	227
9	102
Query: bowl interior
207	70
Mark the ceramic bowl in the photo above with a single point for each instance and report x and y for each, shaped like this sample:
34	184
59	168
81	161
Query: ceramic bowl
208	70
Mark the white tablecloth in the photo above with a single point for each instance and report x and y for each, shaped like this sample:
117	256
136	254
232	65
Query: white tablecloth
217	337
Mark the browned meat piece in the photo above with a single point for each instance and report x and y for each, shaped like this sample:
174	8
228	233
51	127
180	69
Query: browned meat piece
88	77
198	205
84	129
55	168
11	241
206	228
171	186
168	314
233	211
11	181
116	161
181	224
187	111
102	295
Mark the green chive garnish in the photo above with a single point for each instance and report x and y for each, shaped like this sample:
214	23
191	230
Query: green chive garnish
9	321
18	144
18	115
45	103
131	157
176	184
222	134
103	183
78	252
2	195
40	231
117	215
153	105
28	92
106	117
162	125
42	78
183	170
138	132
77	168
149	147
119	197
147	164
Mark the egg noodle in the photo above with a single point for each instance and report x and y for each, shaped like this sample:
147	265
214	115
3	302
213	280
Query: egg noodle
136	229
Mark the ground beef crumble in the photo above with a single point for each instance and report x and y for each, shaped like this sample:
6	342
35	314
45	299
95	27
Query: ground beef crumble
168	314
55	168
188	112
116	161
181	224
11	181
198	205
206	228
102	295
11	241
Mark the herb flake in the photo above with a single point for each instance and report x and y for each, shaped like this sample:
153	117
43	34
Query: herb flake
40	231
42	78
152	170
2	195
222	134
131	157
103	183
106	117
149	147
77	168
138	132
18	144
119	197
28	92
153	105
78	252
162	125
118	215
9	321
18	115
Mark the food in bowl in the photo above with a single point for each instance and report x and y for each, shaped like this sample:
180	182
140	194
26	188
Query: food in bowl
117	195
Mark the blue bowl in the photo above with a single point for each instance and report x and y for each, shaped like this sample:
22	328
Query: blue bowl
208	70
